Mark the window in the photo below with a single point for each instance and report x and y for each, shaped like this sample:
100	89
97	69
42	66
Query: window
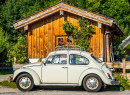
78	60
57	59
49	60
69	40
65	39
60	59
96	59
60	39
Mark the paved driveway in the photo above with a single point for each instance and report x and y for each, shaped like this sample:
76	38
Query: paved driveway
4	77
59	91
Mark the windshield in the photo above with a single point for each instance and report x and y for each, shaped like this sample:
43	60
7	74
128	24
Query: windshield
96	59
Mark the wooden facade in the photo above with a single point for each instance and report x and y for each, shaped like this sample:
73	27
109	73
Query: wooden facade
45	28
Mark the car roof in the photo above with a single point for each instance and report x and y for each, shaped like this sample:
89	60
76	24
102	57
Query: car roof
71	52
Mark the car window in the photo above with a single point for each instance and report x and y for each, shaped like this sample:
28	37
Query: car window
57	59
78	60
96	59
49	60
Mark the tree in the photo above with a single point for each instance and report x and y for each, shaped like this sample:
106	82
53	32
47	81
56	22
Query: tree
82	4
3	45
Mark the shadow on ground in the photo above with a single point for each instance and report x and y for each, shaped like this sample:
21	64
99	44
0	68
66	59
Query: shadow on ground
58	88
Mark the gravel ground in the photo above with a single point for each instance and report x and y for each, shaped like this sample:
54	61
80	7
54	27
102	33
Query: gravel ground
4	77
59	91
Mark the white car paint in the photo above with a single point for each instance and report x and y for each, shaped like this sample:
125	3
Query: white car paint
66	73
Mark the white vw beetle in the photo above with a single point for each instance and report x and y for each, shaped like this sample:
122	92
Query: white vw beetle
65	68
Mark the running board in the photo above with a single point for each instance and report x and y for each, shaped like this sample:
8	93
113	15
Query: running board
58	85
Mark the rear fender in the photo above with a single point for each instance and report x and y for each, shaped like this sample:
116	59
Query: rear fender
98	72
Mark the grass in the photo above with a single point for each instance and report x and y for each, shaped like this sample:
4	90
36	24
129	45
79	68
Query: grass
10	85
5	72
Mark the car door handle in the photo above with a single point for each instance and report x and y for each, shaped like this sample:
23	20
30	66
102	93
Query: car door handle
64	67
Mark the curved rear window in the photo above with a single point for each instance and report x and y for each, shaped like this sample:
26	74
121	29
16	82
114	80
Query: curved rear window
96	59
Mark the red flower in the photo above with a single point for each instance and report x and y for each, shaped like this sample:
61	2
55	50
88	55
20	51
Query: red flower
22	46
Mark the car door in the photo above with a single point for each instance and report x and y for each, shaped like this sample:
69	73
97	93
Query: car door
77	65
55	70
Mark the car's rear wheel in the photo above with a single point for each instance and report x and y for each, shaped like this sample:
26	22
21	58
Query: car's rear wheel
92	83
25	82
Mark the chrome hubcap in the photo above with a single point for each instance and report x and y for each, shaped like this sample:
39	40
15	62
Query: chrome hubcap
92	83
24	82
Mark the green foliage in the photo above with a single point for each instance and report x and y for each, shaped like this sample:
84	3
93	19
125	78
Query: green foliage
124	83
10	85
68	27
40	60
81	34
3	45
82	4
5	72
13	10
18	50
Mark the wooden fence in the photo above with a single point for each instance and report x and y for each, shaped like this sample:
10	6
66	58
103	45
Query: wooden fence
124	65
5	66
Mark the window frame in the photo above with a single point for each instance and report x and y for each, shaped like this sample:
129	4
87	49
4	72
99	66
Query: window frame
53	57
78	55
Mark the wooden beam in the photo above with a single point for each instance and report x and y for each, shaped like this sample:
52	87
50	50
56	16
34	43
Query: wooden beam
124	67
26	27
99	25
107	45
64	7
27	49
61	12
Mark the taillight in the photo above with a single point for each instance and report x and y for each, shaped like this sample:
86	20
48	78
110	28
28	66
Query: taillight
108	75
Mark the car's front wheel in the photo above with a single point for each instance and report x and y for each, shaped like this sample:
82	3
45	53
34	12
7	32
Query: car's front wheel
92	83
25	82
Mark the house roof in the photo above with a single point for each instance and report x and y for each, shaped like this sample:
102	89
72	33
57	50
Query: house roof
61	6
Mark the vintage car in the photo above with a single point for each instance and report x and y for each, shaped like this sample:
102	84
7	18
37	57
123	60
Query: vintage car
65	68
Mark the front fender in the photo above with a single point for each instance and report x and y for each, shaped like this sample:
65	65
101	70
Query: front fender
98	72
34	75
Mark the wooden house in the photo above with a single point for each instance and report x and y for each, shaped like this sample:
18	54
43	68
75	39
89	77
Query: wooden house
45	28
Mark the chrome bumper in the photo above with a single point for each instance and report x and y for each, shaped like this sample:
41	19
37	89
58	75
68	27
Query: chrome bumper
115	82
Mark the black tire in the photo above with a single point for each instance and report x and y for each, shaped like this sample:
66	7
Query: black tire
98	83
27	77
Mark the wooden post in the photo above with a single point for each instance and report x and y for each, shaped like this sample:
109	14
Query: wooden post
107	46
14	60
27	49
124	66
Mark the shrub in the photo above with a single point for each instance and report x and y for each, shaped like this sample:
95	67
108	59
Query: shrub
3	45
18	50
81	34
124	83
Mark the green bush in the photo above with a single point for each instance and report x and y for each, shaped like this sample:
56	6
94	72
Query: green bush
124	83
82	33
5	72
3	45
18	50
